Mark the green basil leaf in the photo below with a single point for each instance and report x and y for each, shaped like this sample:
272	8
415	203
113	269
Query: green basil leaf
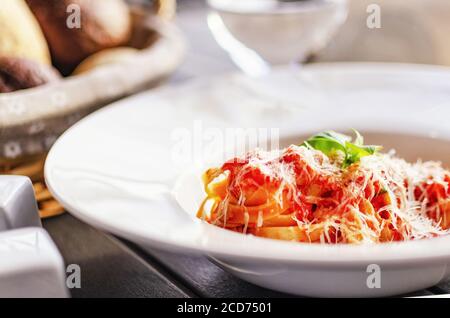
327	146
330	142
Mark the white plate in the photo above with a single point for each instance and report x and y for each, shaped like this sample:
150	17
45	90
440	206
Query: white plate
120	169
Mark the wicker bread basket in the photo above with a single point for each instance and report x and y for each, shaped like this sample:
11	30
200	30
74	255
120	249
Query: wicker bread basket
31	120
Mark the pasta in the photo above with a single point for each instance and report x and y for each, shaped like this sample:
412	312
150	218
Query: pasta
328	190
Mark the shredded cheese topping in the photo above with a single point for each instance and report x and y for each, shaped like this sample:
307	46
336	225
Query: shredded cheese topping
300	194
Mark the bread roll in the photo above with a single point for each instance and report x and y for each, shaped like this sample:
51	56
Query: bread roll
20	34
102	24
105	57
19	73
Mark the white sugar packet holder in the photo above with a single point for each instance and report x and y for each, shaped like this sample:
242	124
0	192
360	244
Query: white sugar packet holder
30	263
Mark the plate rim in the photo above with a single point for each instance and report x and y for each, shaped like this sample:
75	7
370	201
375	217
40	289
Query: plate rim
317	257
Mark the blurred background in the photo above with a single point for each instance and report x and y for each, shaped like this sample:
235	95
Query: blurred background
414	31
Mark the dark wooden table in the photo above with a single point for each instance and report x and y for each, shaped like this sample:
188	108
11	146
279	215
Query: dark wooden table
111	267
